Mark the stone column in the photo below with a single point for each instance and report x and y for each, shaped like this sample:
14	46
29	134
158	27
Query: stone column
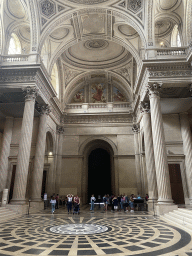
24	147
161	164
149	155
135	129
7	136
37	174
187	148
60	131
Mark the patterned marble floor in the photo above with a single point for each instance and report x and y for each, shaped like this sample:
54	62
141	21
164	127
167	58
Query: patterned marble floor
66	234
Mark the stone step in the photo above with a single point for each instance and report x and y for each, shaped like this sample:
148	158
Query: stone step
181	218
6	214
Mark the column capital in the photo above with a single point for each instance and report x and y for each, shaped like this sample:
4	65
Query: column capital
60	129
154	89
30	93
144	107
135	128
44	109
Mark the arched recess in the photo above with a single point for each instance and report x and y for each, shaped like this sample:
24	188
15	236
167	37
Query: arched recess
49	176
76	83
85	149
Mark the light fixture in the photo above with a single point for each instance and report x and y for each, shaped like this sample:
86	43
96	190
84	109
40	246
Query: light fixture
50	153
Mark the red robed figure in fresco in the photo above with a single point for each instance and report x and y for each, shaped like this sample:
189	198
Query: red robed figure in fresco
97	96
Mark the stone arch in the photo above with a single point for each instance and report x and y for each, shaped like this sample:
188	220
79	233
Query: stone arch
83	146
33	18
129	21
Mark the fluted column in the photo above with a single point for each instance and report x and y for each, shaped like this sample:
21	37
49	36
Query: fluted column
149	153
137	158
37	174
60	131
24	147
187	148
161	164
7	136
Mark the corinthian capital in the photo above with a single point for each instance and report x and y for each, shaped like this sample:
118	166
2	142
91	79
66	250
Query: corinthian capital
154	89
144	107
30	93
60	129
135	128
44	109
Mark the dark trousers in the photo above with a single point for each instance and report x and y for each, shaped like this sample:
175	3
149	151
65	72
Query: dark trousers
69	206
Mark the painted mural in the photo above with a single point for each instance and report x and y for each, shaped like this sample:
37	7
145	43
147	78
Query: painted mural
78	97
118	96
98	92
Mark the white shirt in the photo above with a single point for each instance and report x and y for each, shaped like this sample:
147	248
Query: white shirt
70	199
93	198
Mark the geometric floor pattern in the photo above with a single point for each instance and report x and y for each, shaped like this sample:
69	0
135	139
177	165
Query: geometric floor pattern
125	234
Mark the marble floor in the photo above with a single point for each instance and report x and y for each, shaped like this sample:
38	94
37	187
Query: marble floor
92	233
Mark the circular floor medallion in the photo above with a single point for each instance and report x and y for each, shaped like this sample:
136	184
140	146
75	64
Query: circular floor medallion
78	229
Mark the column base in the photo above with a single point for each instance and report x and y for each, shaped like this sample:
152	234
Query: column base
152	204
36	206
165	208
18	201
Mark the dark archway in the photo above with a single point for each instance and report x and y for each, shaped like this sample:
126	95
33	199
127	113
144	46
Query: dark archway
99	173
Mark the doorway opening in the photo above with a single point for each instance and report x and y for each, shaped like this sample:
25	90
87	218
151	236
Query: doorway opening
43	190
176	184
12	182
99	173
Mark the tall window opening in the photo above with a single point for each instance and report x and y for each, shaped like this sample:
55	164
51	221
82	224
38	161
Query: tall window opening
175	37
14	45
55	79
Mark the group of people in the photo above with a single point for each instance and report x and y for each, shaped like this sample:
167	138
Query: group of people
117	203
71	201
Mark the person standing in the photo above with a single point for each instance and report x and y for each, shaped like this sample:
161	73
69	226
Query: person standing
53	203
92	202
69	202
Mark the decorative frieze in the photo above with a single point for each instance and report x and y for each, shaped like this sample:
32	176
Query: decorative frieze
174	73
97	119
17	76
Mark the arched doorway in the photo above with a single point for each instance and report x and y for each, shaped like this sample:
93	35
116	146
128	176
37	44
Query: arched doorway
99	172
95	148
